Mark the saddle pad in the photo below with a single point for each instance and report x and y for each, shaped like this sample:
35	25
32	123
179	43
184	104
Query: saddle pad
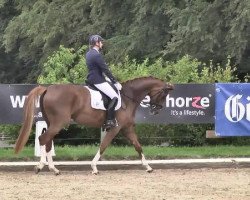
97	101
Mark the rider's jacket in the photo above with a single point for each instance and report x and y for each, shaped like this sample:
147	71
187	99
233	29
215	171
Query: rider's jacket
97	67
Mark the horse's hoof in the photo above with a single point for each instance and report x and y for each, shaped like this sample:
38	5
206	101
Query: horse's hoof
57	173
95	172
149	170
37	170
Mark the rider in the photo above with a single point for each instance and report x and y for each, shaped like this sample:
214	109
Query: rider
100	76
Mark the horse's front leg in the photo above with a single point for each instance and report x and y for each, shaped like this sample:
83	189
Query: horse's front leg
145	163
104	144
94	162
132	137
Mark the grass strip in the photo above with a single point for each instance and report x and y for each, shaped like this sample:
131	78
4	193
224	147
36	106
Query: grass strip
87	152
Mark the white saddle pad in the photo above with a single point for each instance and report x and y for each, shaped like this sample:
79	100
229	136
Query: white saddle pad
97	101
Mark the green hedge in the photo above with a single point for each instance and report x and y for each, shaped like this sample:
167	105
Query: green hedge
68	65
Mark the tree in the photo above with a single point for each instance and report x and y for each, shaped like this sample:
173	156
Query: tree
211	30
141	29
9	65
41	27
64	66
68	65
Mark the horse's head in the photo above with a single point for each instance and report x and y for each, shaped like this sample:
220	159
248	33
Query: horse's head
135	90
158	95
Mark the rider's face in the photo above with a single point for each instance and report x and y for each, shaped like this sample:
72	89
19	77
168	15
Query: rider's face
99	44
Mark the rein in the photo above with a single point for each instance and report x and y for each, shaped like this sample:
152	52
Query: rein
153	105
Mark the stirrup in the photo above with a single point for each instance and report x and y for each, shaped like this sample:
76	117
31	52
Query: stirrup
110	124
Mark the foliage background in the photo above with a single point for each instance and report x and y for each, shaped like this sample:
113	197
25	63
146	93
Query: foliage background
179	41
186	70
30	31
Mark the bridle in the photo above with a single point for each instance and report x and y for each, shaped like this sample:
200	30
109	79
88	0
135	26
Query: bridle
156	106
153	105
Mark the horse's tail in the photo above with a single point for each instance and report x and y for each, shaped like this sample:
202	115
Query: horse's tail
28	117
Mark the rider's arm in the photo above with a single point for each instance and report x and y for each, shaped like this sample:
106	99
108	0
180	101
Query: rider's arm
104	67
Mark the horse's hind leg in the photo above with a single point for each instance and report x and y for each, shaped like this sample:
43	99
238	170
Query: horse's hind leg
46	142
132	137
46	155
42	162
49	134
50	159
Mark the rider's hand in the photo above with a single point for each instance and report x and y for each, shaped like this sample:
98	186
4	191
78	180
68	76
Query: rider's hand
118	86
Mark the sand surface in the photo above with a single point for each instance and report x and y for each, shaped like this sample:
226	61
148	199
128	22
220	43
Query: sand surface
162	184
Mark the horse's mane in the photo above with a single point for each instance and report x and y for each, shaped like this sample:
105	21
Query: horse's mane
140	78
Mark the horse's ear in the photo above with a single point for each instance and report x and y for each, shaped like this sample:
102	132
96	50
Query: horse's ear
169	86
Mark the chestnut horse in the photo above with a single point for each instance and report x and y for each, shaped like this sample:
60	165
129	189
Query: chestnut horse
60	104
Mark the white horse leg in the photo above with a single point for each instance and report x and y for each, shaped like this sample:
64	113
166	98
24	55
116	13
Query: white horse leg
51	163
42	162
145	163
94	162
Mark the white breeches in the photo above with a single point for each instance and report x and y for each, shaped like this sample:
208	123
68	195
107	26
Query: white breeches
107	89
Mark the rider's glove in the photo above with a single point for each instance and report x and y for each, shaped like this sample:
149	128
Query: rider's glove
118	86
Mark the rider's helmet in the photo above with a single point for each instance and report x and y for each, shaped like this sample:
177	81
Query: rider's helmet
94	38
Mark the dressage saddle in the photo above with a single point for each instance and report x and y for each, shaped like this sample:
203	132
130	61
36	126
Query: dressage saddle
109	104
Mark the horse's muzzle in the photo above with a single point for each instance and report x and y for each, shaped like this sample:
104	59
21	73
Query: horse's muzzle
154	109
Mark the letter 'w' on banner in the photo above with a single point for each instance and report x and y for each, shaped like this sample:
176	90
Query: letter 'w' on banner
232	110
40	126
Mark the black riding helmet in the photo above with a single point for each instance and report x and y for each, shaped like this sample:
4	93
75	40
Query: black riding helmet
94	38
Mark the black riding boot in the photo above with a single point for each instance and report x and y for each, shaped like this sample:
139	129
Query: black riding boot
110	121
